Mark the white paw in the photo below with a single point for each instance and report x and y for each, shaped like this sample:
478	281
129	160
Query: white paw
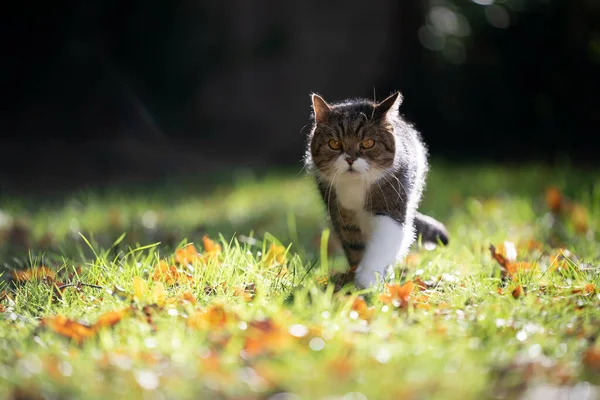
365	277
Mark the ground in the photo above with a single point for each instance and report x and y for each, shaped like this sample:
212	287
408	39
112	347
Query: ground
228	285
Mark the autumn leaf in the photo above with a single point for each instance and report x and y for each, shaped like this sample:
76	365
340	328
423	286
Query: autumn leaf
554	199
587	289
187	255
517	291
140	288
210	247
360	307
422	302
509	269
561	259
562	206
397	295
264	336
212	317
68	328
111	318
275	255
579	218
188	297
419	284
246	292
591	358
170	275
159	295
33	273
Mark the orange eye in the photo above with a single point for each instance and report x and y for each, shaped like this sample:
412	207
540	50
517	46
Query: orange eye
367	143
335	145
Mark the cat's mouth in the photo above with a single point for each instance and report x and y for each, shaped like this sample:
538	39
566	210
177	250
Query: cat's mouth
353	172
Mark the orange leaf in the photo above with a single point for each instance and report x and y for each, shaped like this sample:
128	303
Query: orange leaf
587	289
591	358
517	291
211	318
210	247
554	199
188	297
419	283
111	318
508	268
398	295
263	337
33	273
187	255
275	255
68	328
360	306
170	275
590	288
246	292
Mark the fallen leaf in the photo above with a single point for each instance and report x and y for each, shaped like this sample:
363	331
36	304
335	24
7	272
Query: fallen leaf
187	255
210	247
140	288
579	218
586	289
188	297
111	318
591	358
517	291
68	328
245	292
509	269
275	255
360	307
265	336
33	273
554	199
159	295
213	317
398	295
170	275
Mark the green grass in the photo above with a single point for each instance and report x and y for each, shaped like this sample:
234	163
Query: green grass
469	342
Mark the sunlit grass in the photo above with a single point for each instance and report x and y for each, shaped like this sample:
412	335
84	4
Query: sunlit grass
292	333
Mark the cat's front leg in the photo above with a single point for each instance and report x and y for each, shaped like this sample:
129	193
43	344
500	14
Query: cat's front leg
388	243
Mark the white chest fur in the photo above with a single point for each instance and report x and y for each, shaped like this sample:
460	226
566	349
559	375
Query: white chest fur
352	195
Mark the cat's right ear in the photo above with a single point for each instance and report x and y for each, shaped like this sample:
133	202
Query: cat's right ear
321	108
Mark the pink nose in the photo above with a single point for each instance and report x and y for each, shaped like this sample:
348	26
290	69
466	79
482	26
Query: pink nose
350	160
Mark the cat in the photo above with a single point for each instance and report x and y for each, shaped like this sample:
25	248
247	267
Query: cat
370	166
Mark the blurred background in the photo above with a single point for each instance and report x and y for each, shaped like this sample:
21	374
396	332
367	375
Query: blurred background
98	92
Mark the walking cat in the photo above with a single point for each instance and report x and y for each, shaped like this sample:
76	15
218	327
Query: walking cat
370	166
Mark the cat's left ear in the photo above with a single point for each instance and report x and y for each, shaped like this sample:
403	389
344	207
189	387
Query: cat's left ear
321	108
389	105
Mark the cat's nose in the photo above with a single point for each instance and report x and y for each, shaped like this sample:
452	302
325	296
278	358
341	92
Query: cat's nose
350	160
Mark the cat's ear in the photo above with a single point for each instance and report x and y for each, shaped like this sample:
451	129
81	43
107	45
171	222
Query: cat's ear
389	105
321	108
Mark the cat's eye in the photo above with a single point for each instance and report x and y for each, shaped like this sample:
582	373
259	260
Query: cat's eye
335	145
367	143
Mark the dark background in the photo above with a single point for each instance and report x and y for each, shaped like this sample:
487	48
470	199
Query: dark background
100	91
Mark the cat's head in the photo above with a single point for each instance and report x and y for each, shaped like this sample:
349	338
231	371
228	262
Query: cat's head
353	139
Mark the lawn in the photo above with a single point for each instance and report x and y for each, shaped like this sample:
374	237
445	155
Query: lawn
226	285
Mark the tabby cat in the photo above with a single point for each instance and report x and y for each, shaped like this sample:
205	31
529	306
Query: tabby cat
370	165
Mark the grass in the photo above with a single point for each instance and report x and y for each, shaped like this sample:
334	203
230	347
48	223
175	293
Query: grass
252	327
